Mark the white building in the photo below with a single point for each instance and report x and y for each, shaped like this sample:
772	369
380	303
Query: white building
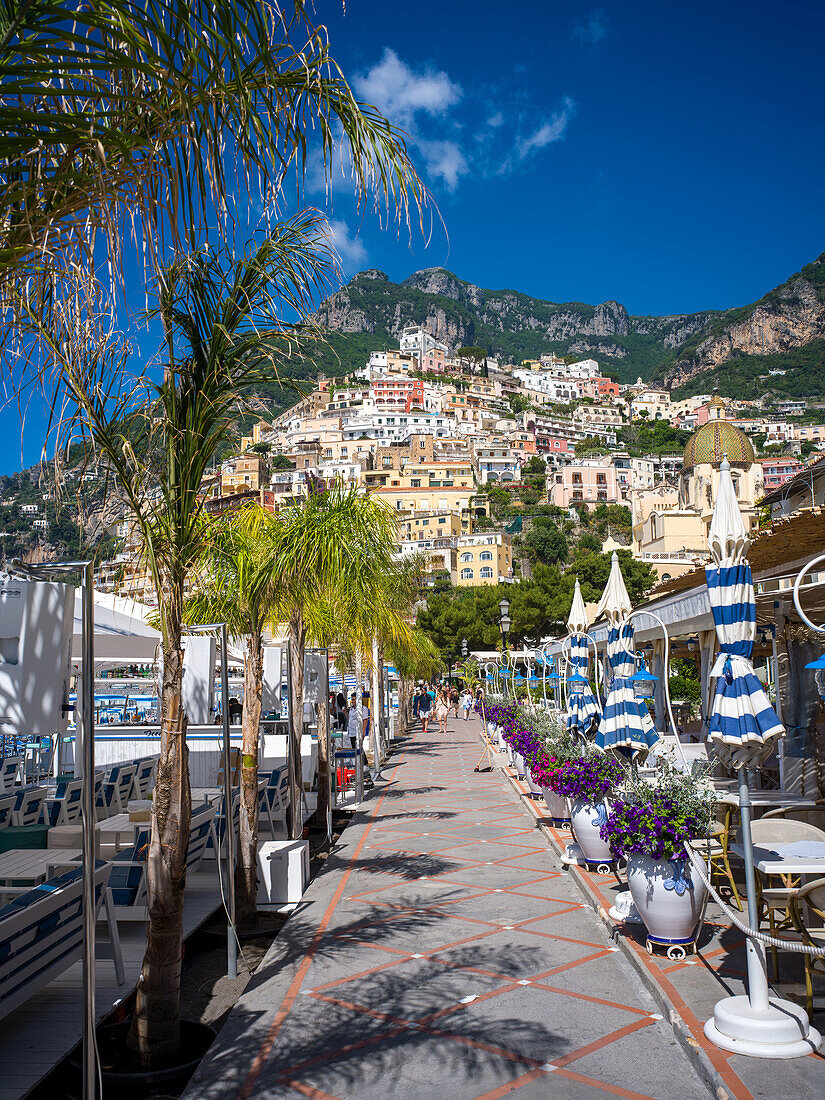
415	340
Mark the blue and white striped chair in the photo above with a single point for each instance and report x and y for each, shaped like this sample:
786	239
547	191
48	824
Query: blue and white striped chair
41	935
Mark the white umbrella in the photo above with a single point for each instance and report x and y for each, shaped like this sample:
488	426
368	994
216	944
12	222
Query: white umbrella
582	707
743	727
625	723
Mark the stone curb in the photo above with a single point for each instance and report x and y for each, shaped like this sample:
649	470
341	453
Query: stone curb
701	1063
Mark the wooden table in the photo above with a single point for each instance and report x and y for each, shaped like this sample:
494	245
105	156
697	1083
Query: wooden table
33	865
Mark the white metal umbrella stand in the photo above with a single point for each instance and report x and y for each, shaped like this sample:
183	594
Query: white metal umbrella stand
743	727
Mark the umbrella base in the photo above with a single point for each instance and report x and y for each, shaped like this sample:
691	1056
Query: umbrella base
780	1031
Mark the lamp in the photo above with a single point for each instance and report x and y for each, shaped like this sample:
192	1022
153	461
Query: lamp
643	682
463	647
819	668
577	684
504	622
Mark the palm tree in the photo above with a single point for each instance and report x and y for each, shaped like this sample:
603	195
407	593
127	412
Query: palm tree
222	338
331	550
136	120
238	586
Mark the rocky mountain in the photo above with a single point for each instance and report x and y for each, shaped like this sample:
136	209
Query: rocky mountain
779	332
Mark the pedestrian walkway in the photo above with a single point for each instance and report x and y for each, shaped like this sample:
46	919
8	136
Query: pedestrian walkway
443	953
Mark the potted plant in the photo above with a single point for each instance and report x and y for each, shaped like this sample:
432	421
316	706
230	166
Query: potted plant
545	768
588	782
649	825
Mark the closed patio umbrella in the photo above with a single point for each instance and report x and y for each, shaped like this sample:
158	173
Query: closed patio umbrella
582	707
625	724
744	728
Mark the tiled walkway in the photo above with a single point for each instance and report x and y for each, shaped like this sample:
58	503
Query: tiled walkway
442	953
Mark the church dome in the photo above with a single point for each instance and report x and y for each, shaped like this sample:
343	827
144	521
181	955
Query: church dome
713	441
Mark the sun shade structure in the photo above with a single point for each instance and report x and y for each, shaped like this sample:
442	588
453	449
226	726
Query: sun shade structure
743	724
744	729
625	724
582	707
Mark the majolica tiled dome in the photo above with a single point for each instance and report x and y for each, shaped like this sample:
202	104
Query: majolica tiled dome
716	439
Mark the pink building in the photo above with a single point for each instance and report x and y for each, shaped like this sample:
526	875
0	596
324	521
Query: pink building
590	483
551	444
776	471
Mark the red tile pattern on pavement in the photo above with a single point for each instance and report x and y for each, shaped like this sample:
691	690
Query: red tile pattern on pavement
450	889
723	961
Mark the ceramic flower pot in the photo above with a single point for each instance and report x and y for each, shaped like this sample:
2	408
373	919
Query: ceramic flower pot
585	820
491	730
556	804
520	766
534	787
669	896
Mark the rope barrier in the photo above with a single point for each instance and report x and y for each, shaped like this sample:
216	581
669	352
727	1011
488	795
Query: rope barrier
772	941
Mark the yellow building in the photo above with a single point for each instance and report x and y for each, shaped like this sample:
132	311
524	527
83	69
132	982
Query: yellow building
670	524
423	526
484	558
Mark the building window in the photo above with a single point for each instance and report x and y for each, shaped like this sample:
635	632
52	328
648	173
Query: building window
577	479
466	574
486	573
601	479
486	556
601	495
416	483
466	557
577	495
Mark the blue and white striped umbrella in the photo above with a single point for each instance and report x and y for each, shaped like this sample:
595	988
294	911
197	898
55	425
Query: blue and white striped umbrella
582	707
743	724
625	724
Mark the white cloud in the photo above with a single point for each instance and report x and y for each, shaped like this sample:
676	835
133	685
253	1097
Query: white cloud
400	93
549	132
444	160
351	250
592	29
495	120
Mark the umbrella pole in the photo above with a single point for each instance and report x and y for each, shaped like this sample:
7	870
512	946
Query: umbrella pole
758	1024
757	963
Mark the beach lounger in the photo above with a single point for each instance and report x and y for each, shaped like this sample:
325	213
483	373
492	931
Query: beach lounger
41	935
128	878
64	808
11	768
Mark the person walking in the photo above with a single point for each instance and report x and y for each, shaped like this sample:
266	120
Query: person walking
466	702
454	699
353	717
425	705
442	709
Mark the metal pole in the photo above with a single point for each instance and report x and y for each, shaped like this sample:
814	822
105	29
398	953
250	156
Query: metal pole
88	837
229	816
294	765
755	951
328	736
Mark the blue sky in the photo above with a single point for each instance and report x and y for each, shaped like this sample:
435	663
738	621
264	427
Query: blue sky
668	156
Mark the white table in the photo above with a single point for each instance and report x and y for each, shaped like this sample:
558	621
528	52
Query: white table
766	798
114	829
33	865
771	861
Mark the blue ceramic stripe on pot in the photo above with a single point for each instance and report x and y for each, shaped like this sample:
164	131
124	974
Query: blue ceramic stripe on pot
669	896
586	820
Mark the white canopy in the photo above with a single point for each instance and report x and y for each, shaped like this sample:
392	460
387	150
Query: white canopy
728	538
615	602
122	633
577	619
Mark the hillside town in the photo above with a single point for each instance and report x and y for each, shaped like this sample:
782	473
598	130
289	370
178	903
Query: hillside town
468	451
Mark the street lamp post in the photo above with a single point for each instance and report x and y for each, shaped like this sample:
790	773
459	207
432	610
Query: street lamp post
504	624
464	648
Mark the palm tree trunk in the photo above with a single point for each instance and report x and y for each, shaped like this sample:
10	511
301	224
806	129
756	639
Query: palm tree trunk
155	1031
246	871
298	641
